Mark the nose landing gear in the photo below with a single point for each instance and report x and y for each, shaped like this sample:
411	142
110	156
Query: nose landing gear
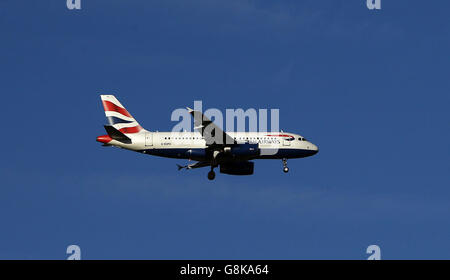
285	167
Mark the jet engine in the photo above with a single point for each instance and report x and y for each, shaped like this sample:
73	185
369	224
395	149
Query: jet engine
237	168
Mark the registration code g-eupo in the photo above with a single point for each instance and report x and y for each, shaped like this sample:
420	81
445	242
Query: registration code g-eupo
241	269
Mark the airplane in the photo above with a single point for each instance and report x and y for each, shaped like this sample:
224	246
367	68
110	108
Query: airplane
209	145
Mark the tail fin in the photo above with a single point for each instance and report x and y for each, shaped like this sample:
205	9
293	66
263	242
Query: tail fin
118	117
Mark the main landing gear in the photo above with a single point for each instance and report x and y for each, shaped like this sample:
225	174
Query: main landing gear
211	174
285	167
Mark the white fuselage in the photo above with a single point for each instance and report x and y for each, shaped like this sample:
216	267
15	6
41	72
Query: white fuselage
191	145
232	154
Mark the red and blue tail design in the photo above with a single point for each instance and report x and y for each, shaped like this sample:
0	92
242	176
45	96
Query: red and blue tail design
118	116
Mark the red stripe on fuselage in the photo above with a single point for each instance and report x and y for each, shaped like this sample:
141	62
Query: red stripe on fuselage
133	129
280	135
109	106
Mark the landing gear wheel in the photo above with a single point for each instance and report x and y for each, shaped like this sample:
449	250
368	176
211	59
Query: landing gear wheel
211	175
285	167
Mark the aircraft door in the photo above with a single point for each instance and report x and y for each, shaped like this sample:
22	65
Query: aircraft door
148	139
286	142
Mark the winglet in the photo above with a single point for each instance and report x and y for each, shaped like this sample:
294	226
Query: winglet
189	110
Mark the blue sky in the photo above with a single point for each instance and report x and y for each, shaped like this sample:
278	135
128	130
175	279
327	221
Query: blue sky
370	88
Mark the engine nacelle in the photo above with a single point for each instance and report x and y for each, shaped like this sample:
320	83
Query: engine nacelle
237	168
242	150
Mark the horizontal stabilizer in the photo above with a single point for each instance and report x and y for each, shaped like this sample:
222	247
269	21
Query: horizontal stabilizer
117	135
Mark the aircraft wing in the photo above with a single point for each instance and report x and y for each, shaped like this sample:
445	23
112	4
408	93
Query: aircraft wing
194	165
213	134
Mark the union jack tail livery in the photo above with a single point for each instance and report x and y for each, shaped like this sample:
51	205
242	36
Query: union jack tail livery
118	117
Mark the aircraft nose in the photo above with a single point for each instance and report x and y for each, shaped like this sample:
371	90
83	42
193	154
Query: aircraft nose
314	149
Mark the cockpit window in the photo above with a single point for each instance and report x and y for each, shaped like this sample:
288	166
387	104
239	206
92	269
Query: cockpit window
302	139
